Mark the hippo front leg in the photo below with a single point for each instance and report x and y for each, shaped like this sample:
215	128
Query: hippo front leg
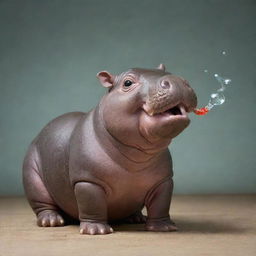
158	205
92	207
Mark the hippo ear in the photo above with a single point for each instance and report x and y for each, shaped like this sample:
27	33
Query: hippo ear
106	79
161	66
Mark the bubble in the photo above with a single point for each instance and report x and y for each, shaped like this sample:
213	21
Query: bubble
223	53
205	71
217	99
209	106
223	81
222	89
227	81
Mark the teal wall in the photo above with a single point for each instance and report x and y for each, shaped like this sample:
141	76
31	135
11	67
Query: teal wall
50	52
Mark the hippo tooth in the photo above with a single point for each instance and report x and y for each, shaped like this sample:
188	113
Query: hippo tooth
182	110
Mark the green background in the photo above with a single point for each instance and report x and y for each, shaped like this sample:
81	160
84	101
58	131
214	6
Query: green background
50	52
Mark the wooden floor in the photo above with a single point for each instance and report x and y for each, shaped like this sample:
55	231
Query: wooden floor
209	225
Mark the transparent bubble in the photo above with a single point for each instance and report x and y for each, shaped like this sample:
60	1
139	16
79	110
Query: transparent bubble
205	71
217	99
209	106
223	53
227	81
222	89
223	82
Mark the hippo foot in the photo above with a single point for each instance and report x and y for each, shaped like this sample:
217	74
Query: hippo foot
161	225
136	218
49	218
95	228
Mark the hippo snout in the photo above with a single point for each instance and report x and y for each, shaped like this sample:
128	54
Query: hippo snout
169	92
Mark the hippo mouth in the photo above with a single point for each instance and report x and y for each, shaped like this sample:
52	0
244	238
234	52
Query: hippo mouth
166	122
168	111
173	111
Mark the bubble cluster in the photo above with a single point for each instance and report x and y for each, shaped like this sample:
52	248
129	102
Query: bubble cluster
216	98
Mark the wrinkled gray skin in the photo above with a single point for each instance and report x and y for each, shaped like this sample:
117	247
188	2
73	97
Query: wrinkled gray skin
105	165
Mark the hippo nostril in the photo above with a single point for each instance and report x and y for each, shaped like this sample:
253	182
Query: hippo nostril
165	84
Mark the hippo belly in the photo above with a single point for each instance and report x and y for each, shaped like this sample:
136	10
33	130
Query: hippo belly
129	193
128	197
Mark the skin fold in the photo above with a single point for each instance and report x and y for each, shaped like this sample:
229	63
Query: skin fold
107	164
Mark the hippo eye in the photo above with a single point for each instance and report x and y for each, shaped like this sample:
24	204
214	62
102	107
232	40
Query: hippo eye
128	83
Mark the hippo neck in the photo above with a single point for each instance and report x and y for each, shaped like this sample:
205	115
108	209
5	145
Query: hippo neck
129	157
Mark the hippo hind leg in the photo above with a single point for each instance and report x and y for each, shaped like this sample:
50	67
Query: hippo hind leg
39	199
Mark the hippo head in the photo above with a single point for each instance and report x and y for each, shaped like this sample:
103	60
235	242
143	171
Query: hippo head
146	108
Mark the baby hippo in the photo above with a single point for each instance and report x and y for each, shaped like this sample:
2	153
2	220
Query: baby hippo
106	165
